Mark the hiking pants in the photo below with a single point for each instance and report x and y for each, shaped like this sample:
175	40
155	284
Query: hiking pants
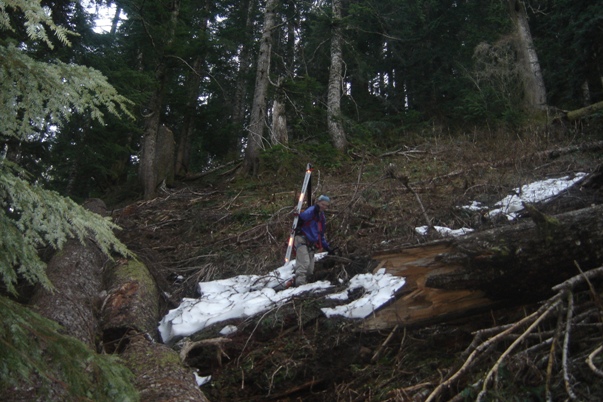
304	261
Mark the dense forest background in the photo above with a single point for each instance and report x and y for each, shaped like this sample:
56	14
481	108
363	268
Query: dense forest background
117	99
227	88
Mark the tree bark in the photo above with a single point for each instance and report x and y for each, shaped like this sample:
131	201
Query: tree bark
335	82
278	132
132	303
503	266
158	371
76	273
238	106
129	319
262	79
182	162
534	88
152	120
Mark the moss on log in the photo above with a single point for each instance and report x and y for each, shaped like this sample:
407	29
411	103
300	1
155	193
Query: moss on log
578	114
159	373
132	303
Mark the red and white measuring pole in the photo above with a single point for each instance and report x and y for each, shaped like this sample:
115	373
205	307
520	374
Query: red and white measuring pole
297	211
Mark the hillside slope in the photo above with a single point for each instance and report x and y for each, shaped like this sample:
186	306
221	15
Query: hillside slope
221	225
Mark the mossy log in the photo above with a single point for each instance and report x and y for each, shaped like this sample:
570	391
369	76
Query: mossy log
518	263
76	273
578	114
132	303
158	371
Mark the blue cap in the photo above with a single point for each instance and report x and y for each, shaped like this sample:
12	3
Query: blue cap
324	198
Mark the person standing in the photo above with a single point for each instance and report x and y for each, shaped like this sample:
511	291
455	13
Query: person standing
310	237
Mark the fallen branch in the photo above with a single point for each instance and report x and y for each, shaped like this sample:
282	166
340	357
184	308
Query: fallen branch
565	323
591	364
218	343
494	370
408	153
384	344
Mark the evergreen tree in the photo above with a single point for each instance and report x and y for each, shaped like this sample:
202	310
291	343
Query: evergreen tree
36	98
38	95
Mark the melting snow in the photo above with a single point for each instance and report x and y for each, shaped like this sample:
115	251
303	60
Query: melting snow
534	192
248	295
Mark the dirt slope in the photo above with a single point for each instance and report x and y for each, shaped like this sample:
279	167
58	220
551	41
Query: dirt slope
222	225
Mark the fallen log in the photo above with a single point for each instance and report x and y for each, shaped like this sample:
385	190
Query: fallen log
514	264
132	303
159	373
76	273
578	114
129	318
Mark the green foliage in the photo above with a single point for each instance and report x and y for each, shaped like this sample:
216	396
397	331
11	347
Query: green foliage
278	158
322	154
37	18
33	349
569	40
34	97
32	217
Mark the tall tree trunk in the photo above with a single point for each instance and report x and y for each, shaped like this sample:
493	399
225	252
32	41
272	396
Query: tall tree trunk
238	106
115	20
534	88
278	133
182	161
146	170
262	79
335	80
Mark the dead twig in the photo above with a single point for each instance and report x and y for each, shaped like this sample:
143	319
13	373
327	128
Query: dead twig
568	327
485	346
494	370
591	364
384	344
563	300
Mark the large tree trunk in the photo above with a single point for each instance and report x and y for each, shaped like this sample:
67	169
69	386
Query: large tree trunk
182	161
262	79
278	132
130	314
503	266
76	273
238	106
158	372
132	303
335	82
534	88
147	172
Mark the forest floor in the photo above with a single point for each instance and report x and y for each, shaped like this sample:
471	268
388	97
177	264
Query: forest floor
221	225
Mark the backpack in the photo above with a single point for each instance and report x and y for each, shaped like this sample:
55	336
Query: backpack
299	225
